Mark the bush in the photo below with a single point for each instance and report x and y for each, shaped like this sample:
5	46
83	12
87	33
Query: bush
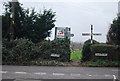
22	51
60	47
19	51
86	51
101	48
112	51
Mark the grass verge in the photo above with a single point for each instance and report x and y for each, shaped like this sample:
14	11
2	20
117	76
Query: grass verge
76	55
39	63
102	63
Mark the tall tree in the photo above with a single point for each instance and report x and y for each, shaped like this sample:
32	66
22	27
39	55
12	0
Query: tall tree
113	36
36	26
7	18
28	23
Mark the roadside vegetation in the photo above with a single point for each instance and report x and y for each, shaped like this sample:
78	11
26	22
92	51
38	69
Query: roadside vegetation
76	55
101	63
22	51
23	41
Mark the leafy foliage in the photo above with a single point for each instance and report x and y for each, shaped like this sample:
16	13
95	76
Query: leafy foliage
19	50
28	23
86	51
23	51
99	48
60	47
18	19
113	36
112	51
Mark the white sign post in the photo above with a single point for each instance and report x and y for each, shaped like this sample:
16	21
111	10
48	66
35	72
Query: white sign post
91	34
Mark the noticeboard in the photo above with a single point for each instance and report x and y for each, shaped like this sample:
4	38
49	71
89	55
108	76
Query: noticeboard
60	33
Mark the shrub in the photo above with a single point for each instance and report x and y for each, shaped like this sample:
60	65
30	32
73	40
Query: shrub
86	51
22	51
19	50
112	51
60	47
101	48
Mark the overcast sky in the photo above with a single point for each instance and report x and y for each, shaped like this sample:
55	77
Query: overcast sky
79	15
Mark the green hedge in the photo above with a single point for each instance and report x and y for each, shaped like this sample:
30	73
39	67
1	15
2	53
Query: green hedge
60	47
89	50
19	50
101	48
86	51
23	50
112	51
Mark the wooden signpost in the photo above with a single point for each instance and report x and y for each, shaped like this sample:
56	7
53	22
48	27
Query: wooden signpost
91	34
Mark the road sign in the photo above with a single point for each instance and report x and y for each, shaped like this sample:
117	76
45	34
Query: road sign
85	34
70	35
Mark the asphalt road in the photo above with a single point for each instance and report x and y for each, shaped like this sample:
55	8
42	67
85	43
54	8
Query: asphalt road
39	73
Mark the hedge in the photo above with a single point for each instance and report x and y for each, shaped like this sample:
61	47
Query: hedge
112	51
23	50
19	50
60	47
89	50
86	51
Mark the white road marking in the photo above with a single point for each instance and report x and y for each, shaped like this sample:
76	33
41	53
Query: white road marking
116	70
21	72
75	74
40	73
58	74
107	75
26	80
114	78
89	75
3	71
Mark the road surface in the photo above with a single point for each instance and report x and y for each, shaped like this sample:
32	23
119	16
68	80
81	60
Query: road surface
39	73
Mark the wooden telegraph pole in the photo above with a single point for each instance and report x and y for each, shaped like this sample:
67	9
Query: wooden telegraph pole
12	23
91	34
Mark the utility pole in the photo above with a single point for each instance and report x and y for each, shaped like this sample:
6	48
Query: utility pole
12	24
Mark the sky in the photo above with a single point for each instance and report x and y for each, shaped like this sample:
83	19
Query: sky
78	15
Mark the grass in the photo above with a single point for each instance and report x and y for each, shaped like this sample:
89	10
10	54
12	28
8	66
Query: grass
39	63
102	63
76	55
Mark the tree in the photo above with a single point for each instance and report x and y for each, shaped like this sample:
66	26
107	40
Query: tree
113	36
6	19
28	24
37	25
